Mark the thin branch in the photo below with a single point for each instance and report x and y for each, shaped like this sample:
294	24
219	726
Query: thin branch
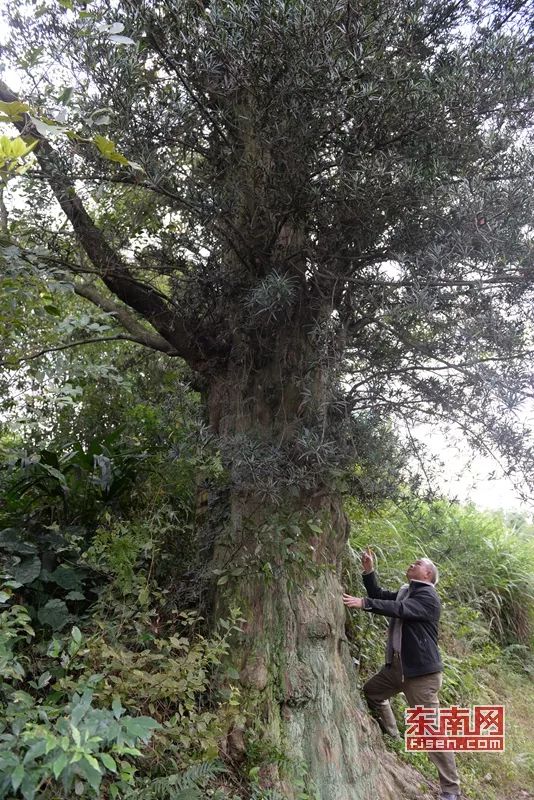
4	220
172	64
445	366
117	338
136	329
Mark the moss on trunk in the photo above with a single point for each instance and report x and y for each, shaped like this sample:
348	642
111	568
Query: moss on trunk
307	733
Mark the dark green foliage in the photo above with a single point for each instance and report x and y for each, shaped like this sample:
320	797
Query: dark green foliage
70	743
107	556
70	487
336	195
51	506
72	707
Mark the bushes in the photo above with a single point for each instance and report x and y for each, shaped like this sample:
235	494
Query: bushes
51	504
76	747
95	655
75	709
165	668
69	744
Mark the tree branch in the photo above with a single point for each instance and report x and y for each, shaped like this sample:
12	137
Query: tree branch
135	328
120	337
111	268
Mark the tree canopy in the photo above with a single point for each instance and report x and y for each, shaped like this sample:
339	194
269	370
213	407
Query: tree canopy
359	172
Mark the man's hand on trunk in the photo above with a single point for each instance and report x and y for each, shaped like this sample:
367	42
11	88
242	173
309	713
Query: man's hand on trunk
353	602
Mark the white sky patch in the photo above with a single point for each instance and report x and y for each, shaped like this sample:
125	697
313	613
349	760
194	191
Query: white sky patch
469	477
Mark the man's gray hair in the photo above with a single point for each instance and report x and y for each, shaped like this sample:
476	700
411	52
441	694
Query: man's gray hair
434	574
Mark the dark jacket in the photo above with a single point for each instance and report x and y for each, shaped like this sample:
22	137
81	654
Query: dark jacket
419	611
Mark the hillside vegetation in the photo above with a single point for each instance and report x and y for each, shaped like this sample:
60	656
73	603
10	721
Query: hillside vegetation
108	674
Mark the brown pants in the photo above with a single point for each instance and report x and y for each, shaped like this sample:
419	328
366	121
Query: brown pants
422	691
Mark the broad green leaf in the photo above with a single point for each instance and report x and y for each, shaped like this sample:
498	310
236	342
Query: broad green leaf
28	787
12	152
92	773
75	596
17	776
36	750
55	613
44	680
66	577
140	727
55	473
59	764
10	540
13	111
108	149
108	762
27	571
92	761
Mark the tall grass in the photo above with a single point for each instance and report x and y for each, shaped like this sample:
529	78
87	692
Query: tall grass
484	563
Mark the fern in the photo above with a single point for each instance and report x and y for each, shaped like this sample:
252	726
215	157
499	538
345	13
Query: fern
266	794
185	785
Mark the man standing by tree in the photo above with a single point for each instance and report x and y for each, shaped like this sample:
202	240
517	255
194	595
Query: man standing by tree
413	664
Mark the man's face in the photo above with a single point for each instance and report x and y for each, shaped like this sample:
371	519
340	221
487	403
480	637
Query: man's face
418	571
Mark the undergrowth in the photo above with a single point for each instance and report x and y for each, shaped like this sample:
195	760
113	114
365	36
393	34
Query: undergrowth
112	688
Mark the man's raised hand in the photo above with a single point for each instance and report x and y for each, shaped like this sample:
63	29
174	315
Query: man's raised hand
367	560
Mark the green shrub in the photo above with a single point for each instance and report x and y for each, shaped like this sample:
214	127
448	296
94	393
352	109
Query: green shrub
72	748
74	710
66	746
166	674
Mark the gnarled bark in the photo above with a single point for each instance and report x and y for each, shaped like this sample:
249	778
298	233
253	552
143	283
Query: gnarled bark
281	564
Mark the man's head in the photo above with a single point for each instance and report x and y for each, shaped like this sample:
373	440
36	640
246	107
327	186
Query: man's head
423	569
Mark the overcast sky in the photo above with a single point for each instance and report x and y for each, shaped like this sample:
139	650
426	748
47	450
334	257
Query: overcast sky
467	477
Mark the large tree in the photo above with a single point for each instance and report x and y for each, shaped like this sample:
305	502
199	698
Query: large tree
324	209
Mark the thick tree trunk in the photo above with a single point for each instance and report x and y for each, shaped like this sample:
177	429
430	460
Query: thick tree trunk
281	564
